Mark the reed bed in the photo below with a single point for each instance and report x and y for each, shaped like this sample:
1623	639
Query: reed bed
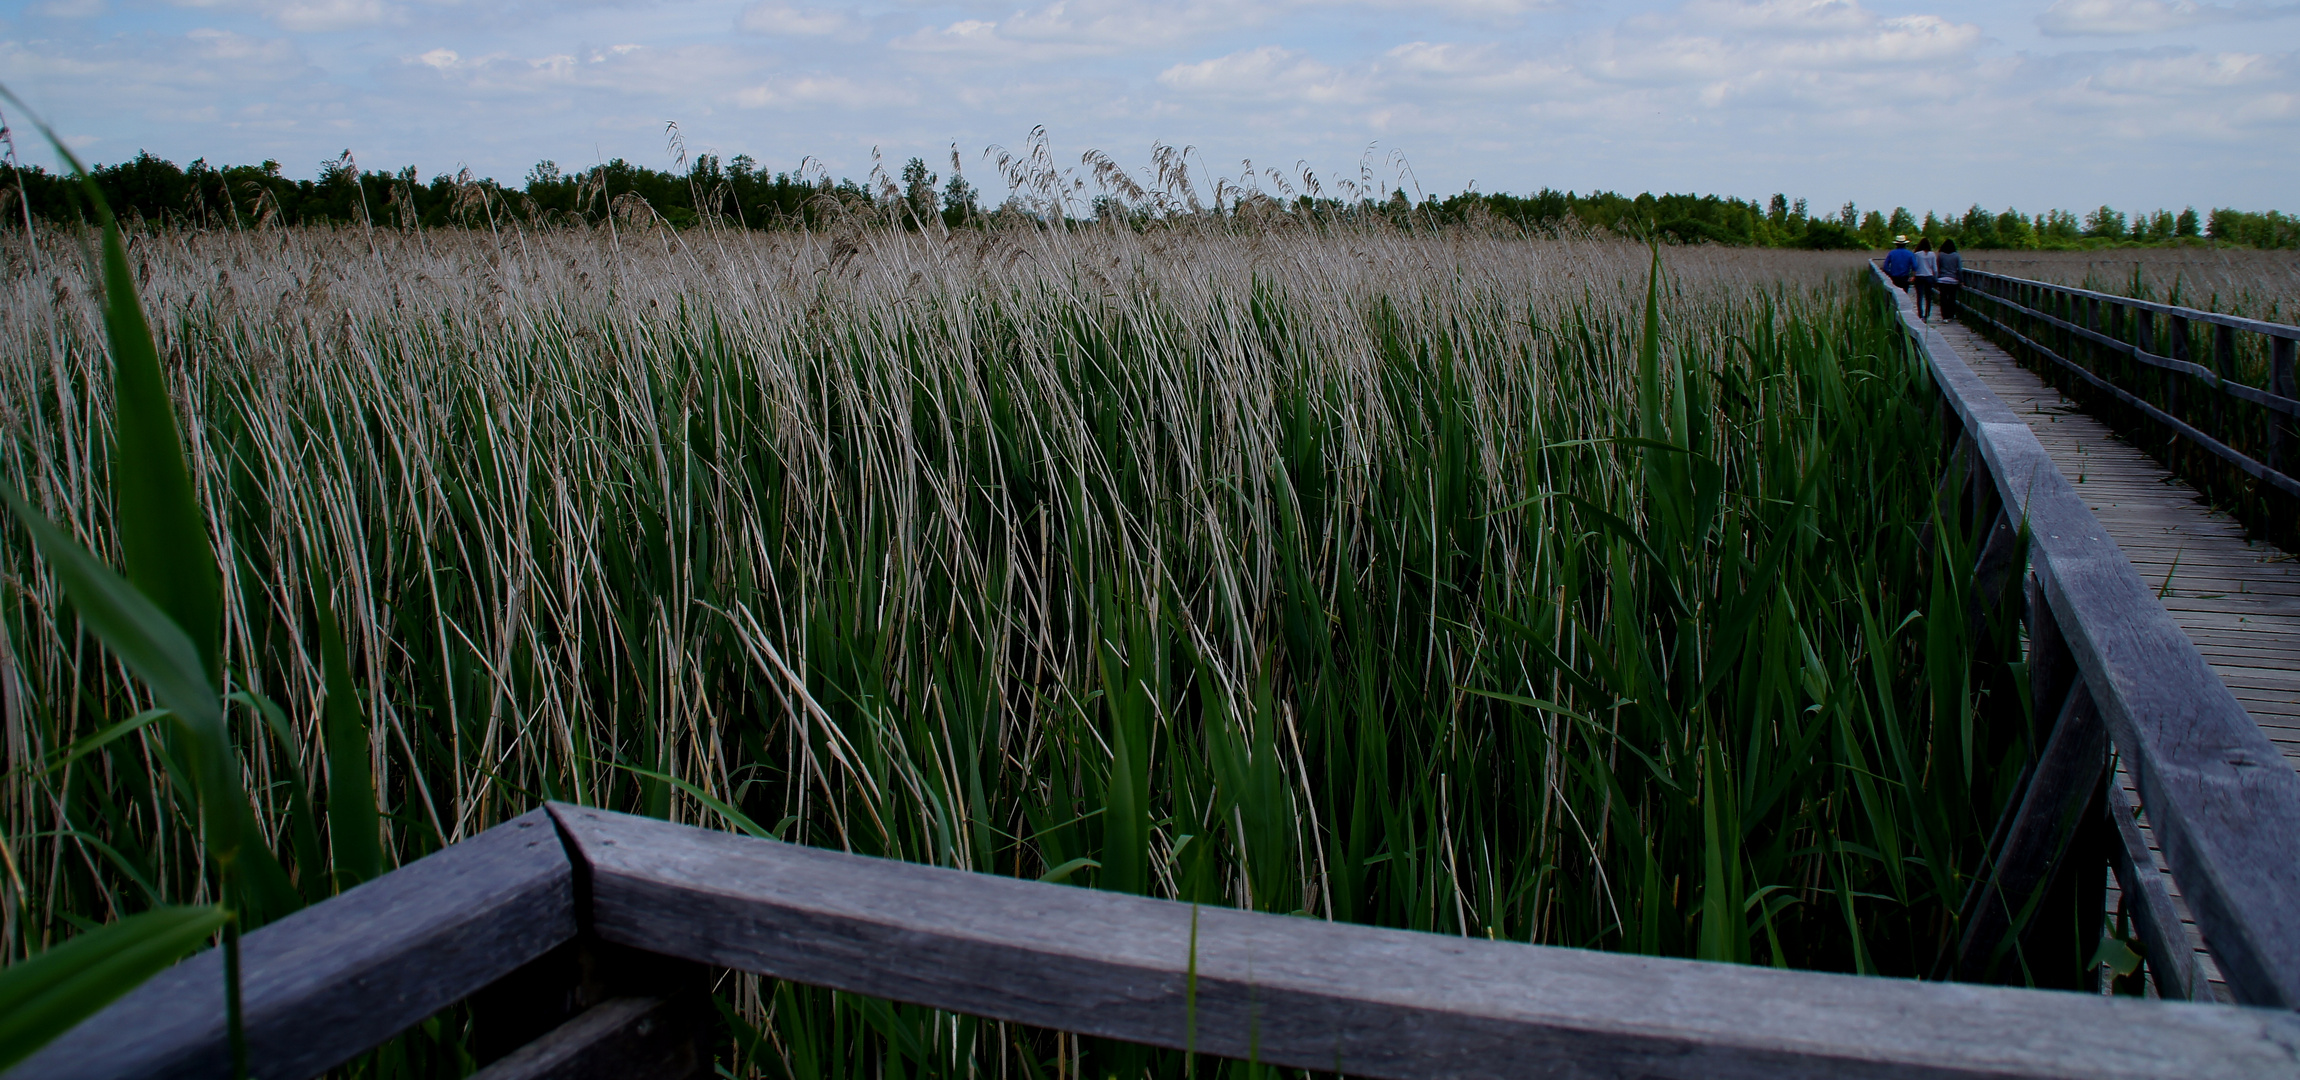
1426	578
2232	281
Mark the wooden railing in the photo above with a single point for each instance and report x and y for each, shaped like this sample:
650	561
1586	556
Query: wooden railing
584	939
2191	373
2114	673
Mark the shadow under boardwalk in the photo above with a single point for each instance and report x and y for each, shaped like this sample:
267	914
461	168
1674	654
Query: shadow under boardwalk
2238	599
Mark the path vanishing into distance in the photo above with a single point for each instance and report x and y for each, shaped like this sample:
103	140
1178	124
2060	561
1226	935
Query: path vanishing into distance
2237	598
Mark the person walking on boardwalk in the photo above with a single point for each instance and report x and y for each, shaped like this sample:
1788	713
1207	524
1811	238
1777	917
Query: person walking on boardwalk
1927	268
1899	263
1946	266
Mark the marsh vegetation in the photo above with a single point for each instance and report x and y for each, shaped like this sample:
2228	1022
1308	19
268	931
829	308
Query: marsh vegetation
1541	588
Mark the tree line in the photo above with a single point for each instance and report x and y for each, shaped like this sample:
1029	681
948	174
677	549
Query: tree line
737	191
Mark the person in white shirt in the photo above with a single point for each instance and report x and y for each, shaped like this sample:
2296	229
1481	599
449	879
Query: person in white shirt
1927	267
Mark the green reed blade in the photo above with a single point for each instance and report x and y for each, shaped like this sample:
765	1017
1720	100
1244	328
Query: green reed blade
353	831
44	996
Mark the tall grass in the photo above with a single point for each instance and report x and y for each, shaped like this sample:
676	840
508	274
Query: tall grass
1534	589
2232	281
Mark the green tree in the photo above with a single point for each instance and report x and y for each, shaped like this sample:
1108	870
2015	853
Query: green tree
918	190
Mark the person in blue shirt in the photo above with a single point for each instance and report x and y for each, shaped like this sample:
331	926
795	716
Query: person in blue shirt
1899	263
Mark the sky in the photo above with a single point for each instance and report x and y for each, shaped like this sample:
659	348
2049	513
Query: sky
1932	105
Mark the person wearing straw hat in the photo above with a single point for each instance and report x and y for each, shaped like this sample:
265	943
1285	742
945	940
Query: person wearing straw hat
1899	263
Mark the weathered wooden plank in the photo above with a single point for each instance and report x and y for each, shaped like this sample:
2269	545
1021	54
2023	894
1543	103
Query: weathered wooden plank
323	985
2209	376
2148	901
2043	824
2168	417
2276	330
624	1038
2223	800
1362	1001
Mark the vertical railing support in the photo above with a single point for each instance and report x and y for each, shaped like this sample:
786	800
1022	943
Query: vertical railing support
2224	366
2173	379
2283	432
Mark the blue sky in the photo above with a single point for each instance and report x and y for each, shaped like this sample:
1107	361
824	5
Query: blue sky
2136	103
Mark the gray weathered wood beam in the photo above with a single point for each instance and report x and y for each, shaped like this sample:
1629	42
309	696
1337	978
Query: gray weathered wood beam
326	983
2223	802
1357	1000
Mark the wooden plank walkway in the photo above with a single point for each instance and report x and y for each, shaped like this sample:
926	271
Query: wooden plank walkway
2238	599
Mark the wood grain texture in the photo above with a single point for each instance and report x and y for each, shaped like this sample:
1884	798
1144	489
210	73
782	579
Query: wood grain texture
624	1038
2245	462
2275	330
331	981
2224	802
2038	832
2149	903
1303	993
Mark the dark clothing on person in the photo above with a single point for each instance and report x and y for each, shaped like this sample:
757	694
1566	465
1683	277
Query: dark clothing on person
1947	283
1926	268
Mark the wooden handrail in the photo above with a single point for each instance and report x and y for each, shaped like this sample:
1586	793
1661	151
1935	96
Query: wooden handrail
348	973
2280	399
2237	322
335	979
2224	803
1356	1000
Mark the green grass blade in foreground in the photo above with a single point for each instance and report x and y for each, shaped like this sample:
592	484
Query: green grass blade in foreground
352	827
734	817
163	535
133	627
92	743
43	997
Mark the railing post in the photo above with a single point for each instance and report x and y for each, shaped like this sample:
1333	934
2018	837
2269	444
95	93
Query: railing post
2175	378
2223	365
2144	337
2281	429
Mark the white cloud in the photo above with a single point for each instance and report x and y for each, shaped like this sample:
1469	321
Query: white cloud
2079	18
309	16
71	9
1267	73
1083	28
324	15
1741	96
804	91
784	20
2115	18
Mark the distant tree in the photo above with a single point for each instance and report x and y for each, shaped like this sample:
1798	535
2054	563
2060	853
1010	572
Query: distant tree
1977	227
1777	211
958	198
918	190
1847	216
2013	231
2186	225
2104	221
1902	222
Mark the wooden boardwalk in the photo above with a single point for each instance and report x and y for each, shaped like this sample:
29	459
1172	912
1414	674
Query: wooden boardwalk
2238	599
